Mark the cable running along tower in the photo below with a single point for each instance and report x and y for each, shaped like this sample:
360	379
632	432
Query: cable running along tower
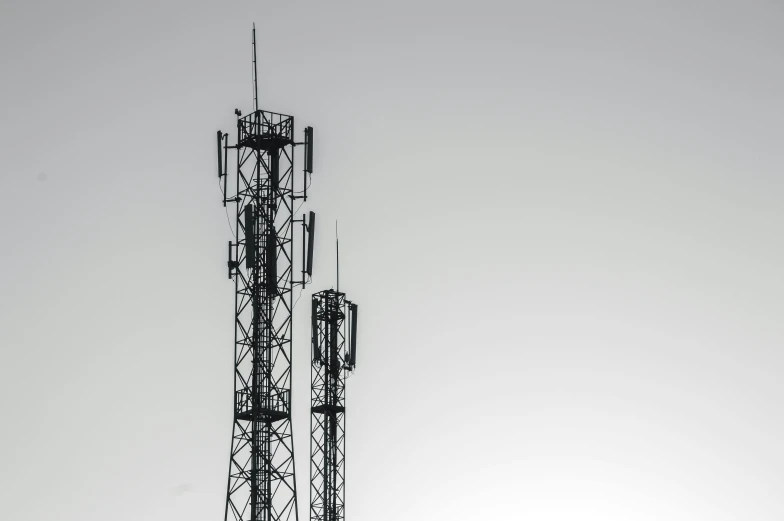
261	482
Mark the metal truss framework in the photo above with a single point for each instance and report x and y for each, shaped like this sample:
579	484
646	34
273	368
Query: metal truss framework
330	365
261	483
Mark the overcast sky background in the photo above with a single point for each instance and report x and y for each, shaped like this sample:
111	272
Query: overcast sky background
562	221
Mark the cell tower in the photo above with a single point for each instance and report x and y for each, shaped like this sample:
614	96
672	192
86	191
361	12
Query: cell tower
261	483
334	355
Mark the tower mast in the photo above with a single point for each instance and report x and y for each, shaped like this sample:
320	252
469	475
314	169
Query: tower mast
334	353
261	483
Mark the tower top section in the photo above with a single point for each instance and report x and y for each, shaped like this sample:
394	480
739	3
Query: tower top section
264	130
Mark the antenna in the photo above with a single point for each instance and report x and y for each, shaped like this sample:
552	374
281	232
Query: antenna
309	150
255	74
225	165
272	262
274	174
314	330
250	237
220	159
337	255
311	236
352	357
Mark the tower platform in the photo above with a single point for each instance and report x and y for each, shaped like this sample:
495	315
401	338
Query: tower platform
264	130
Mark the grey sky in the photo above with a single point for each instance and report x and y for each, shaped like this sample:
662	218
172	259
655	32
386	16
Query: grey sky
562	220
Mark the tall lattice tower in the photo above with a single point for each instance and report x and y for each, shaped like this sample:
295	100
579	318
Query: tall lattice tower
334	337
261	483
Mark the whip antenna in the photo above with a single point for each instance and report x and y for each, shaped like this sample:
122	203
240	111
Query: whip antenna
255	74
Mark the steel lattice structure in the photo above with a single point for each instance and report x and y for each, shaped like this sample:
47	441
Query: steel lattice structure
261	482
331	363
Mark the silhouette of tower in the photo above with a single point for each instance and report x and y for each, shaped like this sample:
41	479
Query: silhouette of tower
261	482
333	329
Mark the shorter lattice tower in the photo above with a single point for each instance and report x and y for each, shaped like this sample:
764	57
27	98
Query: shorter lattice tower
334	352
